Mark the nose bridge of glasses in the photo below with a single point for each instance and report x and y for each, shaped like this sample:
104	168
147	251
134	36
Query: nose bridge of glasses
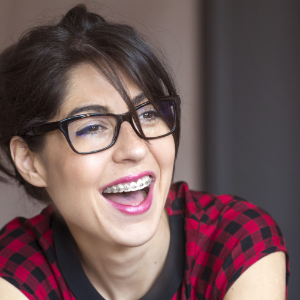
127	117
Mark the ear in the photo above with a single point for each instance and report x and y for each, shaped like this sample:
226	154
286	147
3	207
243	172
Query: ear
27	162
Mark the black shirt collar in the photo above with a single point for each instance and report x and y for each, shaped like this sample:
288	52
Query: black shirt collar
164	288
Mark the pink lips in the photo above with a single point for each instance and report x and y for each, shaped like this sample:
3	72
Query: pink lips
130	209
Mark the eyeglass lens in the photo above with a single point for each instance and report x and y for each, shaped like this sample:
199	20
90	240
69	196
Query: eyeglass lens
95	133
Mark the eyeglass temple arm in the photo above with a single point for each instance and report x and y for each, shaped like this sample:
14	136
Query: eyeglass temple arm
44	128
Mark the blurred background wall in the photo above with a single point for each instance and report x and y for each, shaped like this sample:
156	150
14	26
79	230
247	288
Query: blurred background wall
252	105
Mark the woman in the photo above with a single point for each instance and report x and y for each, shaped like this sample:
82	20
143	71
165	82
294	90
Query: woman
90	124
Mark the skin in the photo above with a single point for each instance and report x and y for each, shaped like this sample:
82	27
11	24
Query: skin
127	242
10	292
265	280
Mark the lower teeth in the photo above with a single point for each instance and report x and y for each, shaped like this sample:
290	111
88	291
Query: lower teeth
144	194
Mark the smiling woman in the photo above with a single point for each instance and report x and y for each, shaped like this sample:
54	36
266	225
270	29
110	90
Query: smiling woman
90	123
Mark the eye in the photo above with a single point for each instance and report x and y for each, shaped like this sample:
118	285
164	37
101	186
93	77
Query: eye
91	129
148	114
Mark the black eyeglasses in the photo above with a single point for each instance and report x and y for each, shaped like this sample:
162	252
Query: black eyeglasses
95	132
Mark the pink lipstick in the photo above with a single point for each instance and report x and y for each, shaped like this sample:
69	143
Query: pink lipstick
131	194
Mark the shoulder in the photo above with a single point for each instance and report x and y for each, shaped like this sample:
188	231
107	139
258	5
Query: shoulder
26	252
228	213
225	235
266	279
10	292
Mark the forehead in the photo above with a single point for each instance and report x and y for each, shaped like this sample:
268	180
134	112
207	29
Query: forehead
87	86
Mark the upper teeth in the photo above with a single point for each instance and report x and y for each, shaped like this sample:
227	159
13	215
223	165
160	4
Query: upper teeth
129	186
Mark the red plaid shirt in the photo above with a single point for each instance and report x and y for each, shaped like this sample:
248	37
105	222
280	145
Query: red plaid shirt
224	235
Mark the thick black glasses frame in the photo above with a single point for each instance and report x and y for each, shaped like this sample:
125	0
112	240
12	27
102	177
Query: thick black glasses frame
63	124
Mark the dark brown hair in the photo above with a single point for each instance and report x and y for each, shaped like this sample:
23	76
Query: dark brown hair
34	75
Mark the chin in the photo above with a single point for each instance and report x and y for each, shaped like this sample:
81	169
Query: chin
137	234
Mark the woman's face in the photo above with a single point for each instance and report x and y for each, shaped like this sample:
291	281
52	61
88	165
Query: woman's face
76	182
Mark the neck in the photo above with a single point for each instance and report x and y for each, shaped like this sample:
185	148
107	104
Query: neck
119	272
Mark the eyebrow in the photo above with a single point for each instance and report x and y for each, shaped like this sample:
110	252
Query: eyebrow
138	99
101	108
94	108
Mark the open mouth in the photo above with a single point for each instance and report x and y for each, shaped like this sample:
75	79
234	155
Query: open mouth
130	193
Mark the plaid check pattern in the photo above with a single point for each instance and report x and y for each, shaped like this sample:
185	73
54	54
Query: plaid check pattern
225	235
27	258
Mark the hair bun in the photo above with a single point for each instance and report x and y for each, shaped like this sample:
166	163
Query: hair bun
80	20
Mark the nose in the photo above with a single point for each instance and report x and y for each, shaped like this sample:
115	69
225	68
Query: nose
129	146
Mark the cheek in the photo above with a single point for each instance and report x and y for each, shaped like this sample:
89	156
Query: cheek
69	174
80	171
163	151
